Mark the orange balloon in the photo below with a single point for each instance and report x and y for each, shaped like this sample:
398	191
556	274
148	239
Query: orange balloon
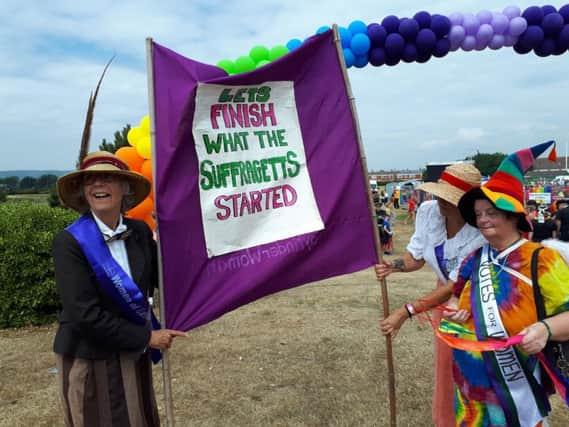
146	169
130	157
142	210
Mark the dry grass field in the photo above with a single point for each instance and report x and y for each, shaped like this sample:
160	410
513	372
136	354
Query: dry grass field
311	356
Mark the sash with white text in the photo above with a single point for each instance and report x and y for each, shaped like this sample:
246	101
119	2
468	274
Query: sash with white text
112	277
521	396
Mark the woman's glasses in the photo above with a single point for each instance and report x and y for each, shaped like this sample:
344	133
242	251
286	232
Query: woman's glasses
91	178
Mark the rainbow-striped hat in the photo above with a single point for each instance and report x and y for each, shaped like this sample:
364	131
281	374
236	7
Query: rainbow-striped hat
505	189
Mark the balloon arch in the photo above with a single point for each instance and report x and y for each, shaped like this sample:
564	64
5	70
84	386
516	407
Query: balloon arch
541	29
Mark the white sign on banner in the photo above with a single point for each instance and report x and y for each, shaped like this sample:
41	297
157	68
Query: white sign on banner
542	197
254	183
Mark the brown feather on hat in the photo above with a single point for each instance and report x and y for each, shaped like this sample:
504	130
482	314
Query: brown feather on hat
455	180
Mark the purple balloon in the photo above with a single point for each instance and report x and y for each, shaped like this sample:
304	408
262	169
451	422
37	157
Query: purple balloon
423	18
520	49
485	33
499	23
547	9
470	24
442	48
440	25
564	12
546	48
510	40
563	38
532	37
409	28
517	26
394	45
456	34
409	53
469	43
390	23
426	41
480	45
484	16
377	35
512	12
423	57
498	41
456	18
533	15
377	56
552	24
392	61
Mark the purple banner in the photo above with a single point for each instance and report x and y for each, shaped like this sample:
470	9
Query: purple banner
198	289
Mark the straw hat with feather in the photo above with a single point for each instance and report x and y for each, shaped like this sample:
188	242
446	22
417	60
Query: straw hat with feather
70	186
455	180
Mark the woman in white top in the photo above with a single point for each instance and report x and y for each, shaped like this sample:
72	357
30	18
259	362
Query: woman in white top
441	239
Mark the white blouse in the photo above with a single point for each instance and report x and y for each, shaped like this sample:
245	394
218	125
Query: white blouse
430	242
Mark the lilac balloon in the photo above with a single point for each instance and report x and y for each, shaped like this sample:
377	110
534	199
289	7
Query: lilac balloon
391	24
442	48
564	12
394	45
481	44
533	15
498	41
517	26
456	34
456	18
510	40
454	45
552	24
409	53
408	28
499	23
469	43
547	9
485	33
512	12
484	16
470	24
377	56
377	35
423	18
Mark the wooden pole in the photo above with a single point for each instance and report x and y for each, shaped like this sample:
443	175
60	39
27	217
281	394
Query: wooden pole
378	251
166	376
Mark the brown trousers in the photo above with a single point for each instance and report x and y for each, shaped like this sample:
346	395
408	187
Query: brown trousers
102	393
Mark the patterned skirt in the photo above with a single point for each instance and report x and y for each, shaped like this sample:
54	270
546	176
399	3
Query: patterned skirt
111	392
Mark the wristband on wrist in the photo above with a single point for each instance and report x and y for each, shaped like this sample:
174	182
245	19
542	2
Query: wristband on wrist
548	329
410	310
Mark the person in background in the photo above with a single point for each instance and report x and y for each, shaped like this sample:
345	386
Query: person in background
543	226
395	197
442	240
494	297
385	232
411	208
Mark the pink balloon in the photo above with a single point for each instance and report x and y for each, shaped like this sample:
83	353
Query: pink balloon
500	23
517	26
497	42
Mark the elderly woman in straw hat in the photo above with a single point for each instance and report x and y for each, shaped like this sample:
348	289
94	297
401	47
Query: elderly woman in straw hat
498	290
106	270
441	239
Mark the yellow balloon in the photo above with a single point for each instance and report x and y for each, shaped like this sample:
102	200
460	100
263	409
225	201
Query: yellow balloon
144	147
145	124
133	136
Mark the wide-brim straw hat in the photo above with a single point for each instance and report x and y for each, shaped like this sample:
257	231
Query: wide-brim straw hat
455	180
69	186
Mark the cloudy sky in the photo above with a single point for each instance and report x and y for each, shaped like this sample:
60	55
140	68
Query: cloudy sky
53	53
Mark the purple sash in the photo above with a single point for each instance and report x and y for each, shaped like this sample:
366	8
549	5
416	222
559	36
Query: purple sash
112	278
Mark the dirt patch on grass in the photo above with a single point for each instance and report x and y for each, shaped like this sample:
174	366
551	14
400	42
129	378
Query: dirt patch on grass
310	356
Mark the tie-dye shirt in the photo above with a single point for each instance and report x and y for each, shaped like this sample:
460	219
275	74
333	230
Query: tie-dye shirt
476	402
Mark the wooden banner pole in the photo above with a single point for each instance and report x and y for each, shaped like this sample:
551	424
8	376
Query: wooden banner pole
379	252
166	375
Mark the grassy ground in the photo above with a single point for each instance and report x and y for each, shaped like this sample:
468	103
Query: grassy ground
38	198
311	356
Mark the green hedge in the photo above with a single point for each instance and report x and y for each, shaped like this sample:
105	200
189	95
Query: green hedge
27	287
